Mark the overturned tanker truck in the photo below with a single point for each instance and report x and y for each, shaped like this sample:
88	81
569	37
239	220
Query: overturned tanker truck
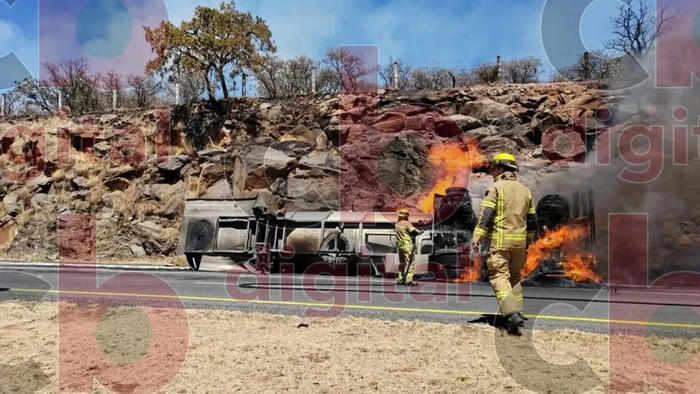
250	234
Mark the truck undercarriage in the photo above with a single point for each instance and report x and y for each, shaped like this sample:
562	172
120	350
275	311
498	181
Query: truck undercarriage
251	235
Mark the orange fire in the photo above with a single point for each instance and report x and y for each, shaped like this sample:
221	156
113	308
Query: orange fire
471	274
453	166
577	267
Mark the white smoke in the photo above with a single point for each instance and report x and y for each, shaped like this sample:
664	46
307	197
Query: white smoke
669	199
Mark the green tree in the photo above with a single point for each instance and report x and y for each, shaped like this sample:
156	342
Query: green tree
218	44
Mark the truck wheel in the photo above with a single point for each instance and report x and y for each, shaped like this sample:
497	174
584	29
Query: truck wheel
194	261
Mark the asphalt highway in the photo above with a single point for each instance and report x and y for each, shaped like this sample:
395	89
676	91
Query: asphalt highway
664	312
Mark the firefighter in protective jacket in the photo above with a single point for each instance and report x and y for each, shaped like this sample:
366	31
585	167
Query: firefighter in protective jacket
507	224
405	233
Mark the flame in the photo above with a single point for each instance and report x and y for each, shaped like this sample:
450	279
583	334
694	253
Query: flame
454	166
577	267
471	274
470	271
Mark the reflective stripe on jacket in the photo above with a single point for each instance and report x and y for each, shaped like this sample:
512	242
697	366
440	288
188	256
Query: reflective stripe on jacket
507	214
404	234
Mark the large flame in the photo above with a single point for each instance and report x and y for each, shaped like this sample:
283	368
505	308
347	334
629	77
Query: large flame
577	267
453	167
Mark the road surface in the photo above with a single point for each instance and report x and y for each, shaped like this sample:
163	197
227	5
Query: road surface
637	311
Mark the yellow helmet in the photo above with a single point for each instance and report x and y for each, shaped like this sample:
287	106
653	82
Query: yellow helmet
506	160
403	212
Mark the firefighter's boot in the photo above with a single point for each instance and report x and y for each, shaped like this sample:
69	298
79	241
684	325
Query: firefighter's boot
514	322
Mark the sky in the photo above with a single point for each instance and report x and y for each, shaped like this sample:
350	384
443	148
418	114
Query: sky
423	33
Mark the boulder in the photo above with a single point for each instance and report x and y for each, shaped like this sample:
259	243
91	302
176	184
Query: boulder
213	171
484	108
164	191
80	182
120	184
125	171
390	122
151	228
41	201
220	191
401	165
563	144
137	250
496	143
211	155
324	161
108	119
173	163
481	132
271	113
446	127
465	122
294	146
102	148
300	186
269	157
264	165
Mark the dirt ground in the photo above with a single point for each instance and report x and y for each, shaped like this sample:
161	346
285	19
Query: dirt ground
131	350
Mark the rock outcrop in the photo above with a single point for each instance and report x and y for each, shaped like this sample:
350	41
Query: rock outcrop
132	170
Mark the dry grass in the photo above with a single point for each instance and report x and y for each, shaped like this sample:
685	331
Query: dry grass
179	261
62	196
24	216
182	149
197	186
219	351
59	175
84	164
96	190
169	237
129	206
124	205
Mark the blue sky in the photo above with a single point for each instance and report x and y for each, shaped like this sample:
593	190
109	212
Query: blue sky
448	33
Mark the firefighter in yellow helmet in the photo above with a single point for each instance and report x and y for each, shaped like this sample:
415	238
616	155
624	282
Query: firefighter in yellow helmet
405	233
507	226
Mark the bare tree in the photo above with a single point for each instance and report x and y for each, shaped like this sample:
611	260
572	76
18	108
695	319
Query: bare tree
327	81
464	77
280	78
524	70
485	73
350	70
14	103
39	97
597	67
80	87
144	88
114	81
638	28
192	87
432	79
267	77
386	73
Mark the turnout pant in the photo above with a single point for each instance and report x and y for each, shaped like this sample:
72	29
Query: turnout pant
504	266
407	258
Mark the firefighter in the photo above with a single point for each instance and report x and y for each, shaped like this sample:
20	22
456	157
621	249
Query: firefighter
507	226
405	233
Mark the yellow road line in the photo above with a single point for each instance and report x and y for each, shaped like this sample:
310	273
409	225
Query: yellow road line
361	307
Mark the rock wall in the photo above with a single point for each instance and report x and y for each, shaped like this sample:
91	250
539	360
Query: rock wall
133	170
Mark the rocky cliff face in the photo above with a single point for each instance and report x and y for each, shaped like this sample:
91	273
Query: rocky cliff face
133	170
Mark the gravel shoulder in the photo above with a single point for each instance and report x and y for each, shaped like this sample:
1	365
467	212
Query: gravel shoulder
206	351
